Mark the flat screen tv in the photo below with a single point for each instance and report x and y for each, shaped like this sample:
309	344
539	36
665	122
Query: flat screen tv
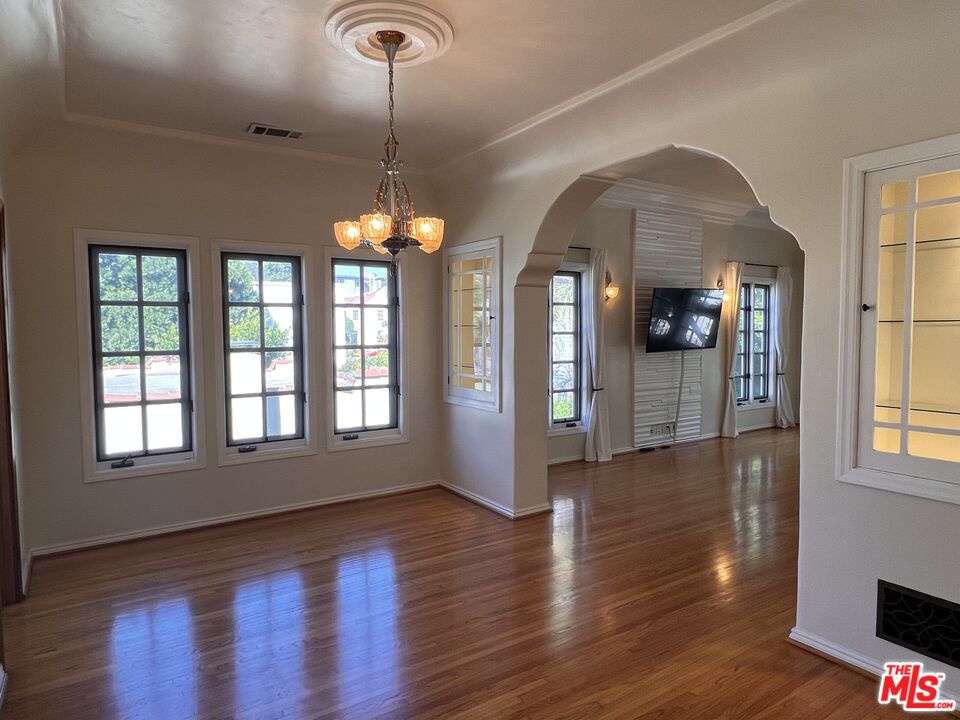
684	319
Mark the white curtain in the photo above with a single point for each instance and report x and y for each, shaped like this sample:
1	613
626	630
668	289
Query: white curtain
785	415
732	276
598	423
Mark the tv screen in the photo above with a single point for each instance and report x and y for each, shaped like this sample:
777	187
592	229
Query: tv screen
684	319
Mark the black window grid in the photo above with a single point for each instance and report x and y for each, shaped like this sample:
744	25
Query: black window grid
141	353
392	308
746	380
296	348
577	338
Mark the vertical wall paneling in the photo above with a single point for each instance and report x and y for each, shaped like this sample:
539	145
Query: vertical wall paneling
668	252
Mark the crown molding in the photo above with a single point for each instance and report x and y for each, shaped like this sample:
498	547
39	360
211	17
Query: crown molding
669	200
626	78
190	136
667	58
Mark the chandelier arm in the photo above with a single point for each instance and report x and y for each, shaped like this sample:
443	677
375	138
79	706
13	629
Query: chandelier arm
381	190
409	201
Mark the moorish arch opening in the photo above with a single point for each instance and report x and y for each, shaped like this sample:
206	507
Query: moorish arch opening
679	234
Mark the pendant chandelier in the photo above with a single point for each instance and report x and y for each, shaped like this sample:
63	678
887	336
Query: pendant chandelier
392	226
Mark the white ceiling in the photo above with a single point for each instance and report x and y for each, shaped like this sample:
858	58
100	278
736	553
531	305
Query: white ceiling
214	66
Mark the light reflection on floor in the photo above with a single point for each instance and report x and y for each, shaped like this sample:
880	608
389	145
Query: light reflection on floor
268	624
368	647
155	648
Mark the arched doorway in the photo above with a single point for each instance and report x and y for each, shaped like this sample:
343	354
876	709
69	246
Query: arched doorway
675	196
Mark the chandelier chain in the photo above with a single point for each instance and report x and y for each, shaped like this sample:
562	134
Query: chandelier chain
390	92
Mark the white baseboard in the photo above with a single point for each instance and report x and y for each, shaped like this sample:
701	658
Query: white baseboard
26	568
568	459
221	519
637	448
849	657
495	506
532	510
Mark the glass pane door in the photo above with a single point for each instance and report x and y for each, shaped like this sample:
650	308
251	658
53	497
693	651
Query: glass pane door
910	394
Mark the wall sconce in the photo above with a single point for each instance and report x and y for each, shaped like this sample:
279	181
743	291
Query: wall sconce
726	295
610	291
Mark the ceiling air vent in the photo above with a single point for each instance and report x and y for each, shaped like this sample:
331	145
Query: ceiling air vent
271	131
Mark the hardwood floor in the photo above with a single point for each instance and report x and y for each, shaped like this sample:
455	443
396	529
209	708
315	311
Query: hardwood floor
662	586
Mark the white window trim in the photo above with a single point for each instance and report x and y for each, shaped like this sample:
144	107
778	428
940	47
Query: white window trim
580	426
94	471
368	438
848	389
450	394
300	447
771	401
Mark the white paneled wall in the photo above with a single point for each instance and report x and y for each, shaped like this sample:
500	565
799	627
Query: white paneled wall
668	250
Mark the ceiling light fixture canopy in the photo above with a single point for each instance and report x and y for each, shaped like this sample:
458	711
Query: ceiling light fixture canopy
393	225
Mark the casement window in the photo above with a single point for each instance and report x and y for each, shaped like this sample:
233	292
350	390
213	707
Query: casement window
141	352
472	334
262	306
366	349
754	374
902	329
137	345
566	349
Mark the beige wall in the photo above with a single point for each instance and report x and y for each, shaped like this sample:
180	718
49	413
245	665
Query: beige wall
785	101
81	176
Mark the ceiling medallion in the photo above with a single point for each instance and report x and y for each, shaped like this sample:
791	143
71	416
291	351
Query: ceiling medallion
393	225
353	28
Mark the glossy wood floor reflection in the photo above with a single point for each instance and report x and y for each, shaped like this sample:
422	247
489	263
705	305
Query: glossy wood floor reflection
662	586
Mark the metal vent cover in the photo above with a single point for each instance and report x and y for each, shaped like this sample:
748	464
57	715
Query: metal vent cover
926	624
271	131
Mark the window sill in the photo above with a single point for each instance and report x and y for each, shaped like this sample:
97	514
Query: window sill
488	406
904	484
263	454
577	429
95	475
755	405
335	444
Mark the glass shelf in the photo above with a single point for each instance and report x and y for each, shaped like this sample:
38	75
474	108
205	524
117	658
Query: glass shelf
943	321
915	408
926	242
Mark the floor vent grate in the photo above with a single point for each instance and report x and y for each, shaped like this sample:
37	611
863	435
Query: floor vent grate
926	624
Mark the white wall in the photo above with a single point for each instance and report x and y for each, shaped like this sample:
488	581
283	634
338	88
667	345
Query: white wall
29	95
611	229
785	100
88	177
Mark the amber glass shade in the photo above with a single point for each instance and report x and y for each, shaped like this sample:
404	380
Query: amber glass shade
348	234
380	249
429	231
376	227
